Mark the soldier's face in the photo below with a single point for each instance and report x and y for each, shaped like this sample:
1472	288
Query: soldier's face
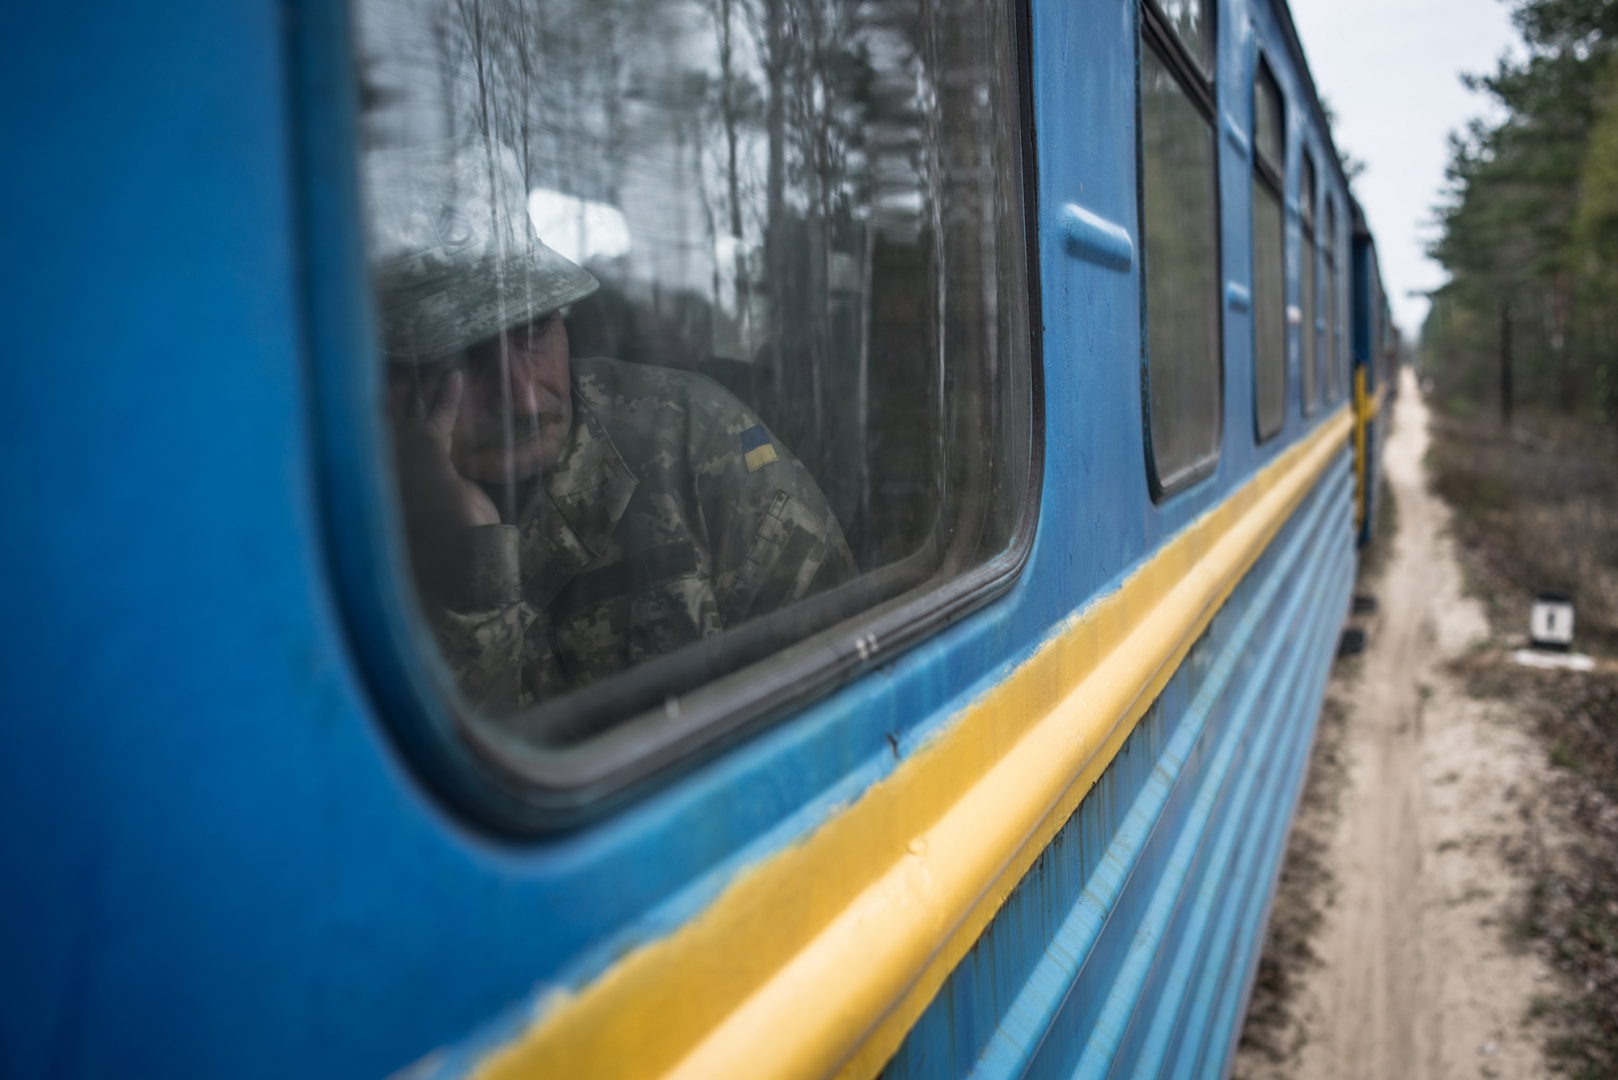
517	406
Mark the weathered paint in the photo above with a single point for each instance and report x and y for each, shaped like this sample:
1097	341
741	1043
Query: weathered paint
200	774
1134	929
867	916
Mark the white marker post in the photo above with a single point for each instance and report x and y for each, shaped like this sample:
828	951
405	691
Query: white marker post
1550	624
1550	633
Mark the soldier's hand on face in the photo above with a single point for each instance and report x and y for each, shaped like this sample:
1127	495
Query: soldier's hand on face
439	503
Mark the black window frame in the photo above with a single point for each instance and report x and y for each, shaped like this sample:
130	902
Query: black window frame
1272	174
1154	30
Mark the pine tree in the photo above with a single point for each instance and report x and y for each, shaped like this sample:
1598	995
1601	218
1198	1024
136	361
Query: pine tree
1528	222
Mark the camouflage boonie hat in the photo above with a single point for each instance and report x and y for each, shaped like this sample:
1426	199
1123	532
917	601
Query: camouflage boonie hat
453	253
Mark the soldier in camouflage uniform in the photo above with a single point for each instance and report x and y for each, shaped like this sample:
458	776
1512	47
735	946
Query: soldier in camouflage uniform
645	508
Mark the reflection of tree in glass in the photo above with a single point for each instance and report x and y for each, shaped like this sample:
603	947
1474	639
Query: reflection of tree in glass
791	213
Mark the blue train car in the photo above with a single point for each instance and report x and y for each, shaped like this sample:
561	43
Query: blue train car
664	537
1376	378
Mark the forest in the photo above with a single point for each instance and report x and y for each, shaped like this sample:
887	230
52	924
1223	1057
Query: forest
1528	230
1521	347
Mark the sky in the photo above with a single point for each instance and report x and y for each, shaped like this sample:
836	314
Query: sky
1390	70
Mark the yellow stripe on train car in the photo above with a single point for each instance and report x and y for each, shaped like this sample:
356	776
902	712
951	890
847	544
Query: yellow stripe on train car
867	916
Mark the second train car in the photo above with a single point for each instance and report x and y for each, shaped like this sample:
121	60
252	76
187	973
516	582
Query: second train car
689	538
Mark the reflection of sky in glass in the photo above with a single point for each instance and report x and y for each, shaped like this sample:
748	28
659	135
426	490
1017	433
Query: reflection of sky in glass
578	229
647	136
1193	21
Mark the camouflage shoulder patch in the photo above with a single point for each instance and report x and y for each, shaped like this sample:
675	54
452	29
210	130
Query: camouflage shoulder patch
757	449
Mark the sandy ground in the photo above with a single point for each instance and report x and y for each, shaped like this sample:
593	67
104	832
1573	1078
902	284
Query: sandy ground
1419	974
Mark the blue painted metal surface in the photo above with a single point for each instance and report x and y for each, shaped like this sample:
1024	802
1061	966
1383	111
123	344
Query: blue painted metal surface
1370	337
1128	948
219	865
1103	242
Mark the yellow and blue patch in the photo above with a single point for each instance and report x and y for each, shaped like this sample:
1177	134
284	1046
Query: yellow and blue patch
757	449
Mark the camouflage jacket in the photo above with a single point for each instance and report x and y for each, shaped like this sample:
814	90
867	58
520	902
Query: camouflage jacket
671	515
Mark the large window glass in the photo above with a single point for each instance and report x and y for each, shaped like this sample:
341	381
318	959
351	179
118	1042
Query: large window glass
1269	256
704	330
1180	224
1309	327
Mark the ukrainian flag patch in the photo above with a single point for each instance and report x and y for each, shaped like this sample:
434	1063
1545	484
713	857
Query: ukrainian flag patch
757	449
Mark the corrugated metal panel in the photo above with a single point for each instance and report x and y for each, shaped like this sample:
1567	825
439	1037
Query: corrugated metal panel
1127	949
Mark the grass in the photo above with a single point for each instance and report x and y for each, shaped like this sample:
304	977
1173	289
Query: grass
1564	756
1536	507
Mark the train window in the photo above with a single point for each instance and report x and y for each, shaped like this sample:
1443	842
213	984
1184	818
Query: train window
695	317
1179	212
1333	282
1269	255
1345	310
1308	332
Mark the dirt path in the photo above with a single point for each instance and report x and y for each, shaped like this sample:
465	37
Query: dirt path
1418	975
